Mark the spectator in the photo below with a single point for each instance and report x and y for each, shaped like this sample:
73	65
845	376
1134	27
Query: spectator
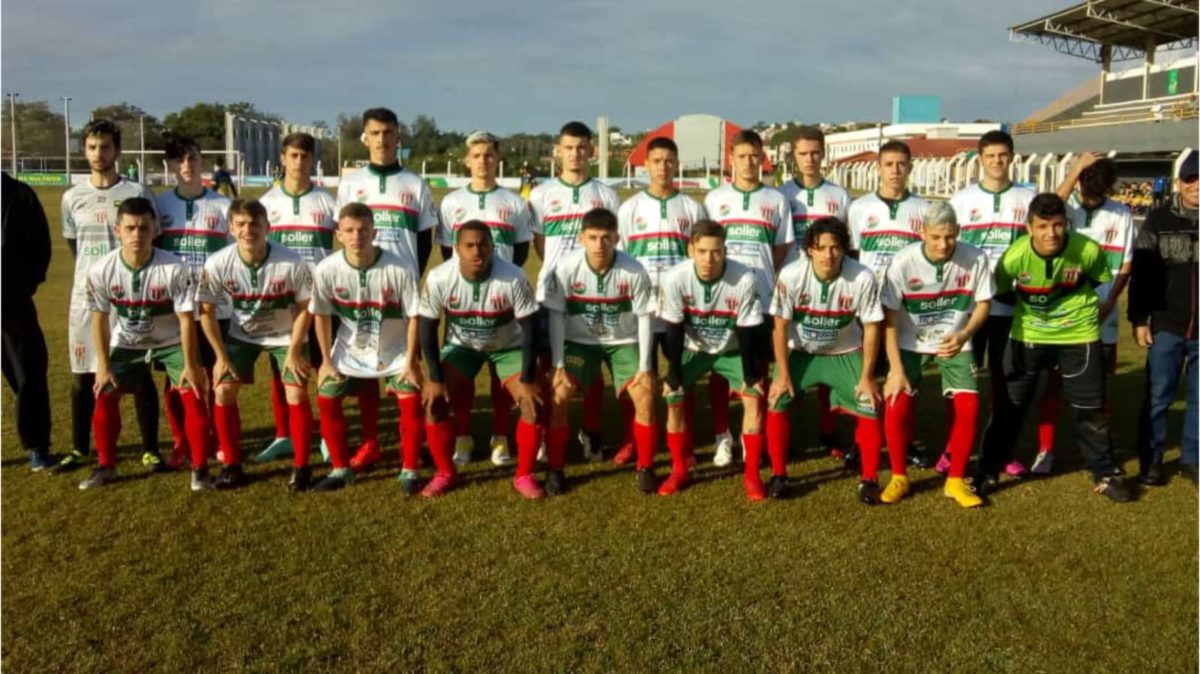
222	182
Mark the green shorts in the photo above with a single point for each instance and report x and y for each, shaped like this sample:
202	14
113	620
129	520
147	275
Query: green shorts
347	386
958	371
695	364
127	365
243	355
840	372
583	363
468	362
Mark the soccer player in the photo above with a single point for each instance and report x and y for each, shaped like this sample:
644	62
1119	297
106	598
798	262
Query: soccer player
1051	276
889	219
507	216
1109	223
490	318
826	332
654	227
151	292
374	294
558	207
711	307
303	218
268	286
758	224
601	304
991	215
935	298
89	214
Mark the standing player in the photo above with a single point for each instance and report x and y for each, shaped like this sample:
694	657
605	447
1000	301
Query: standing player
89	213
507	216
654	226
268	286
151	293
935	297
601	304
711	308
489	308
303	218
558	207
1052	274
826	332
758	224
375	296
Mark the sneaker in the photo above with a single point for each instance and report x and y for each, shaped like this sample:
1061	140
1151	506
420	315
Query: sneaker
1043	463
438	486
1114	487
527	486
99	478
40	460
200	480
723	456
624	455
777	487
155	463
753	484
336	479
278	449
984	485
673	483
591	446
301	479
463	445
324	451
957	489
410	482
647	482
556	483
500	454
1015	469
366	457
943	464
868	492
179	457
917	456
231	477
896	490
73	461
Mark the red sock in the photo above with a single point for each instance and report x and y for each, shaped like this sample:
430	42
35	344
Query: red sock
412	422
106	427
461	402
1048	411
646	440
174	409
528	439
502	404
828	420
593	401
677	446
869	435
279	405
441	446
628	421
718	401
556	446
197	426
898	424
300	423
962	431
779	437
368	410
333	429
752	442
228	421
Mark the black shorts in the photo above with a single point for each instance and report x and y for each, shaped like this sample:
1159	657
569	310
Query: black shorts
1082	367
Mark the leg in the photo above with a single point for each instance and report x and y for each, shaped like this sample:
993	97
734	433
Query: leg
677	444
752	442
502	404
645	427
279	403
1188	458
1084	388
1022	365
174	408
1049	410
412	423
557	430
228	421
107	427
25	362
83	402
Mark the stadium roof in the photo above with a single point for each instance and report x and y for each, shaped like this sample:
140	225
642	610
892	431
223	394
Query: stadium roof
1127	27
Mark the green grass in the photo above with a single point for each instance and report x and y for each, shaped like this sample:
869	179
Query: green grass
146	576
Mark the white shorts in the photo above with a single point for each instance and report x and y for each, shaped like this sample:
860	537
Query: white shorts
79	338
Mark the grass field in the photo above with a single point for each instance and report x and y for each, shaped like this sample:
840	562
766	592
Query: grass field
146	576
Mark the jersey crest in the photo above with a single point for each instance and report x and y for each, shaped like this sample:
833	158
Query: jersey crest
1019	213
116	291
845	302
342	293
872	221
915	283
157	293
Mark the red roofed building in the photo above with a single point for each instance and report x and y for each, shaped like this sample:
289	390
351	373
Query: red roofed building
702	140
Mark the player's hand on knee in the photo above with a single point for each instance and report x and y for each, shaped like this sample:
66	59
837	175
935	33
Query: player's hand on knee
895	385
105	381
297	364
867	390
527	394
220	370
780	387
643	381
434	392
195	378
326	373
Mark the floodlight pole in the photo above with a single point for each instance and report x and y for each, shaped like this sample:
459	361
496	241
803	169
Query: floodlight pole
67	137
12	125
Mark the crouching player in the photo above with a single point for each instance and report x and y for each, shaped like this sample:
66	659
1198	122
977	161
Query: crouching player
150	290
375	296
818	304
600	305
711	309
489	308
268	286
936	295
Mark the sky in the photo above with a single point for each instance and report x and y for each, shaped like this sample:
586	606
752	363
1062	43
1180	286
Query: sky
530	66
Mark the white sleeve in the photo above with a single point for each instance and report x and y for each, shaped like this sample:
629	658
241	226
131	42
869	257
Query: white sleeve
445	230
749	310
524	303
625	224
429	215
535	222
68	218
892	291
869	310
302	282
643	293
553	293
558	332
985	287
522	223
343	196
408	294
97	292
784	234
670	308
431	301
781	303
319	304
1129	236
646	353
209	288
852	225
183	289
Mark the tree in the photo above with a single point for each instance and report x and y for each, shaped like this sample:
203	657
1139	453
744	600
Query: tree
131	119
40	131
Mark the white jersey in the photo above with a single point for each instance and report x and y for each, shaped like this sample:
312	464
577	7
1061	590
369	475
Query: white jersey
506	214
811	204
755	223
145	301
304	222
932	300
656	231
712	311
194	229
375	305
480	315
992	221
89	215
600	308
1111	226
558	209
824	317
263	296
401	203
880	228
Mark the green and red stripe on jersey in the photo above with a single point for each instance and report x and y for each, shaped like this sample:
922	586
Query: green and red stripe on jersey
566	224
888	241
471	318
581	304
715	318
302	236
143	308
394	216
193	240
658	244
943	300
263	301
822	318
369	310
749	230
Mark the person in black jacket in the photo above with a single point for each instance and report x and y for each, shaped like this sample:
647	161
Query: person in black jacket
25	258
1162	309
